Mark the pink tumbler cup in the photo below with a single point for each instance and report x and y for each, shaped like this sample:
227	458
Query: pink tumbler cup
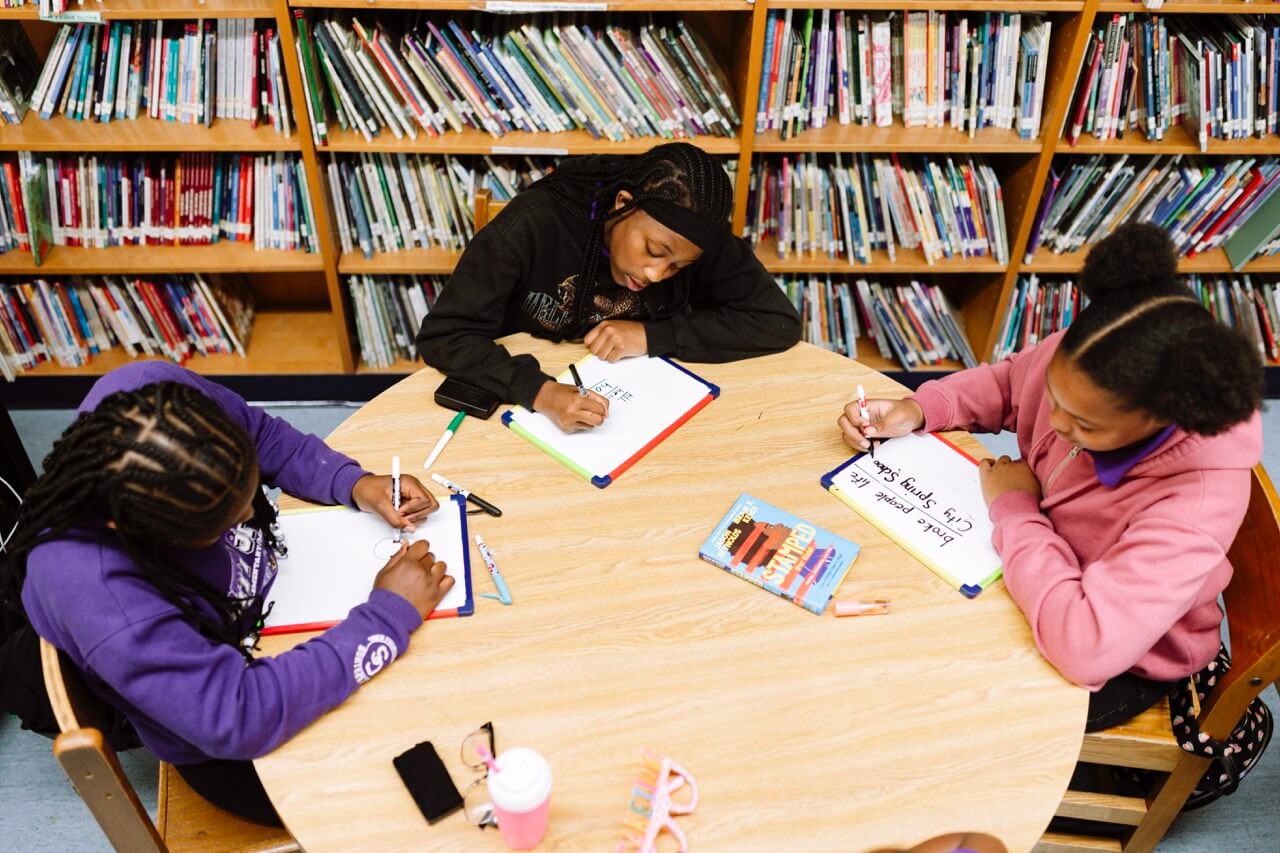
520	787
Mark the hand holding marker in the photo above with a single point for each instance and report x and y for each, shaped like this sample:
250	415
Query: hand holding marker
866	416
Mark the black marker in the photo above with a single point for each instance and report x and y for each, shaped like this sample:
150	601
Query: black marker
469	496
577	380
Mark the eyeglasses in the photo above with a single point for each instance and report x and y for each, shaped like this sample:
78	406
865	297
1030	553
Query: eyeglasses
477	754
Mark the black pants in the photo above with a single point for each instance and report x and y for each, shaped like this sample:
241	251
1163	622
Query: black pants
233	786
1123	698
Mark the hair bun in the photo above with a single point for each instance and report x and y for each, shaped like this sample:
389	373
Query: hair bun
1135	258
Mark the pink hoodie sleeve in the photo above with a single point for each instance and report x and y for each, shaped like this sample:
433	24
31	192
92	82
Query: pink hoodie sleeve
981	399
1097	624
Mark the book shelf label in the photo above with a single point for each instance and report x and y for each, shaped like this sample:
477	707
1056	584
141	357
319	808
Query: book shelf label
518	7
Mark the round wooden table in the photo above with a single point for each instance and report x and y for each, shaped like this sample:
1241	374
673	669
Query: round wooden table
803	732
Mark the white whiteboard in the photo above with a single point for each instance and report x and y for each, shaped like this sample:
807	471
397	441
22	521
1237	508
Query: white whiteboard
335	553
648	398
924	493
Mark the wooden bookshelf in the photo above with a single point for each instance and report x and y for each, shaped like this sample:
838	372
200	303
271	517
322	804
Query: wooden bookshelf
905	261
435	261
60	133
532	6
322	340
923	140
281	342
122	260
1176	141
472	141
1045	262
124	10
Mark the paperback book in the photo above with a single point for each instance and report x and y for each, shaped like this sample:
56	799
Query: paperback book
777	551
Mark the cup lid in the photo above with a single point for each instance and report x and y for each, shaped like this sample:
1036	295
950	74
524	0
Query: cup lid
521	780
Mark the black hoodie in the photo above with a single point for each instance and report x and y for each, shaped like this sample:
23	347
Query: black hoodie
519	273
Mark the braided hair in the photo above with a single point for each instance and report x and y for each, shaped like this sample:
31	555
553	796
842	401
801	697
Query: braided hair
165	466
676	175
1146	339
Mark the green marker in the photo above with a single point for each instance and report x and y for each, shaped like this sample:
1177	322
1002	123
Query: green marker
444	439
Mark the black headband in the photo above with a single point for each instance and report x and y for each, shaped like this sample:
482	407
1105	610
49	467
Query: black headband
702	232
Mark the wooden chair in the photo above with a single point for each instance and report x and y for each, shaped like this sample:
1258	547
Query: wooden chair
1253	618
486	208
185	820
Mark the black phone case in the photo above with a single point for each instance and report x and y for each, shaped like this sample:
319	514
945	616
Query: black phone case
461	397
428	781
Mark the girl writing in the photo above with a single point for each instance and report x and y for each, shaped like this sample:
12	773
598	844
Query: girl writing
144	553
633	256
1137	427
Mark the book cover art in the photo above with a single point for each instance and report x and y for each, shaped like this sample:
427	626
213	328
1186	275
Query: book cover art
784	554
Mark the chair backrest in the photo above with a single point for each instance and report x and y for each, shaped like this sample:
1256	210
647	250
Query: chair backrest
1253	609
90	763
486	208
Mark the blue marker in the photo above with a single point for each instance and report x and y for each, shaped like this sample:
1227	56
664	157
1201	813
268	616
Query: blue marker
504	594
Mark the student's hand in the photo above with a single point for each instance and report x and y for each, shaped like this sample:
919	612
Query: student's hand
413	573
372	493
1007	475
889	419
570	410
615	339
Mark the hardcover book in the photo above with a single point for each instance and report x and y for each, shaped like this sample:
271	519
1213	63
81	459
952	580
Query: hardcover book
777	551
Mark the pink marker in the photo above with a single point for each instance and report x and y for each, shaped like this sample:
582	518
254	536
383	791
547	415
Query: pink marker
865	415
874	607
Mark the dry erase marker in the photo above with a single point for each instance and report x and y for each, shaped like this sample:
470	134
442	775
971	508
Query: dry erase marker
444	439
577	380
874	607
866	416
473	498
395	491
504	594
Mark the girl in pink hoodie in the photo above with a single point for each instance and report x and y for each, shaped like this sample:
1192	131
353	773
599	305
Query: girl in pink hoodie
1137	428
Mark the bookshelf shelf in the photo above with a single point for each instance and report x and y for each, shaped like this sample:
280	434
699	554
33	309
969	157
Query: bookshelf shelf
1209	263
472	141
221	257
1192	7
1176	141
141	135
907	261
281	342
925	5
123	10
533	6
425	261
851	138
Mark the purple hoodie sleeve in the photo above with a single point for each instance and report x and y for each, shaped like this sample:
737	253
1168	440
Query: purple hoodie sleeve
301	464
202	692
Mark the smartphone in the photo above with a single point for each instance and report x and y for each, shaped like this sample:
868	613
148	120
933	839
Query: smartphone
461	397
429	783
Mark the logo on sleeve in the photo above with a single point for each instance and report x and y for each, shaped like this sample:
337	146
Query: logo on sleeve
372	656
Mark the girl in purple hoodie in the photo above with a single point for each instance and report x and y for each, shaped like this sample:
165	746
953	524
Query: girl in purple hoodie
145	553
1137	429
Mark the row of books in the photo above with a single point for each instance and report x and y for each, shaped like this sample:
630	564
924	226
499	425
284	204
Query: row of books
97	201
622	77
388	203
70	321
1040	306
913	324
183	71
815	204
931	68
388	311
1202	203
1037	308
1216	75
